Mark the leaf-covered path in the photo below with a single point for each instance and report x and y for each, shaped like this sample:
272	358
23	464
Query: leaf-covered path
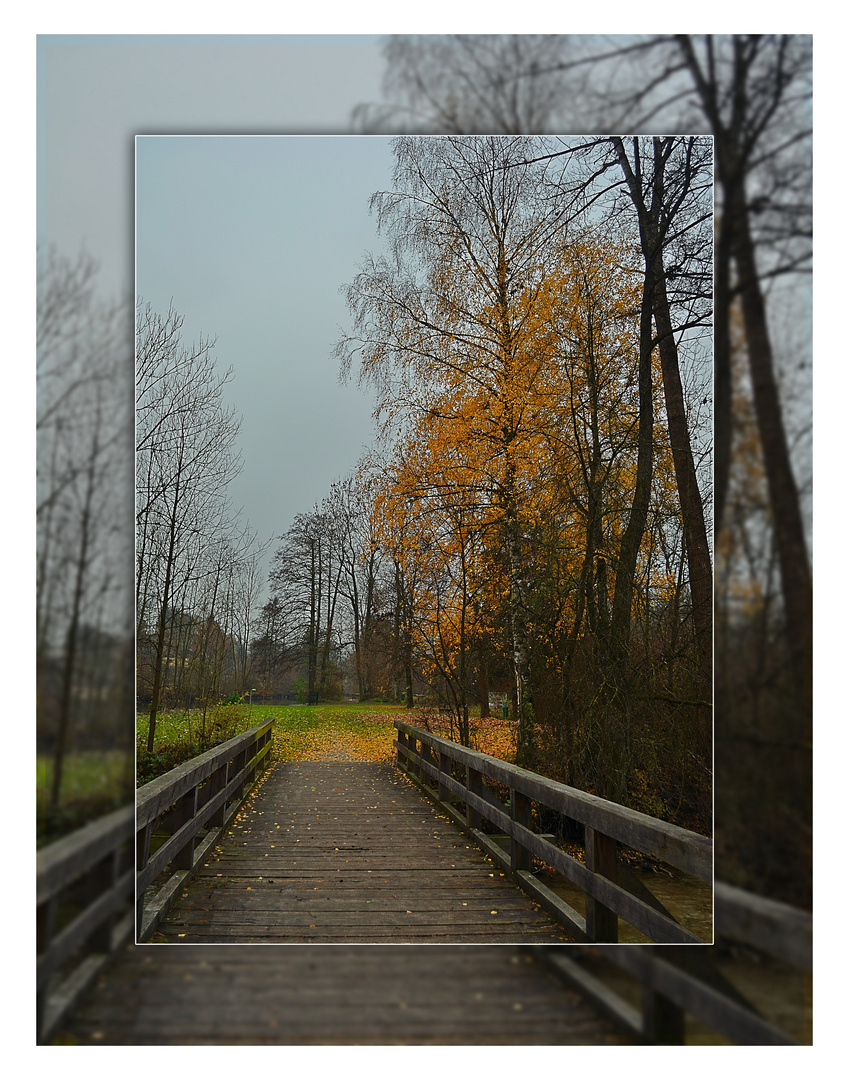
330	851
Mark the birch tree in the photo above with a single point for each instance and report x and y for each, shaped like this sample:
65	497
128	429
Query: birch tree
471	235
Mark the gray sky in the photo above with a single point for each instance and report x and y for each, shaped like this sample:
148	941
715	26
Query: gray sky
95	93
251	238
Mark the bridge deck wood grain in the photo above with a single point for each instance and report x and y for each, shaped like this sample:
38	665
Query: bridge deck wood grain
331	852
334	995
326	857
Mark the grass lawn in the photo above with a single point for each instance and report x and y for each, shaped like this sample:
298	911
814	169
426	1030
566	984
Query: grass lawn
93	773
188	726
301	732
345	731
93	783
348	730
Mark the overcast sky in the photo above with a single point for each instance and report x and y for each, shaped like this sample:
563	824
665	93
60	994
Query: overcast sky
95	93
251	238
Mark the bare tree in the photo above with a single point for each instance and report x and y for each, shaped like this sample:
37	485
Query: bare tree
84	434
247	589
270	648
184	460
348	506
668	189
465	84
305	581
746	91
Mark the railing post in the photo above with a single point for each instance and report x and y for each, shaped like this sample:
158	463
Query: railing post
444	768
600	852
216	783
185	810
45	918
520	812
409	746
104	878
250	755
429	756
142	857
258	744
474	782
663	1019
238	763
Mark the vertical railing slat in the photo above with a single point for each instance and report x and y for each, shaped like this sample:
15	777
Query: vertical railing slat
600	853
520	812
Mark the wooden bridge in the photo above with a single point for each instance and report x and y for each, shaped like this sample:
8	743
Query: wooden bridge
349	852
228	852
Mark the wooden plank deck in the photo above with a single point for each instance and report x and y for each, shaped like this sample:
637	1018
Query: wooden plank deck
335	995
330	852
341	853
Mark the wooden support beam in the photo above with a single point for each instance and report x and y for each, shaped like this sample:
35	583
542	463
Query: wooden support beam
600	853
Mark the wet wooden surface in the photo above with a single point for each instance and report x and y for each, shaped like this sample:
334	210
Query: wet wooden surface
332	852
333	995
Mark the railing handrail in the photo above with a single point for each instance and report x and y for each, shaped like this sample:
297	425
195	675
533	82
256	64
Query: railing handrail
161	792
675	984
682	848
99	856
767	925
771	926
611	890
95	861
674	980
66	859
192	817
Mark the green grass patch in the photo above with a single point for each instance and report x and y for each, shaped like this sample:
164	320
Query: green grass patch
184	733
91	773
193	728
343	730
93	783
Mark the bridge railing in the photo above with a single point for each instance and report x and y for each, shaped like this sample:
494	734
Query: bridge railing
87	882
673	982
84	911
453	774
181	815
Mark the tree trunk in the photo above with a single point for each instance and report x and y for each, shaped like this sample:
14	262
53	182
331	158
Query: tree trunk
722	386
783	493
483	676
615	699
526	734
692	511
620	623
159	649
